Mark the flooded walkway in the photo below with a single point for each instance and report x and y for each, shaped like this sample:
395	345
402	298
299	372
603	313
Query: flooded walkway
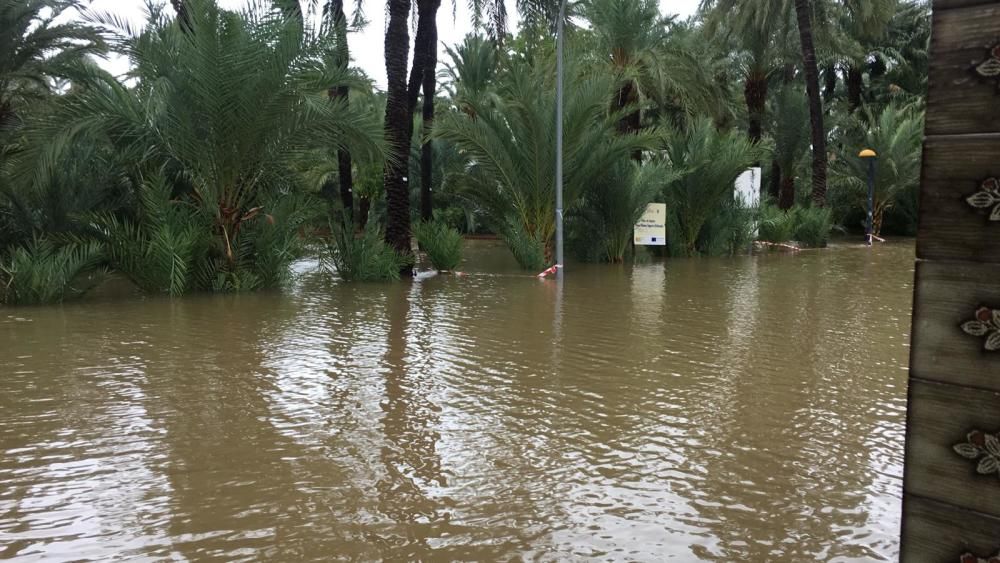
744	409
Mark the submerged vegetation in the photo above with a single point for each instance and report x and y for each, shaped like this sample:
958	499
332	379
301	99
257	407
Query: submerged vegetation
237	135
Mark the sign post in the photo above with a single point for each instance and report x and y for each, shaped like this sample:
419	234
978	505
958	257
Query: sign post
651	229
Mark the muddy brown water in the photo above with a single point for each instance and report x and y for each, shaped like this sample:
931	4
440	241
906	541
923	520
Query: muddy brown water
746	409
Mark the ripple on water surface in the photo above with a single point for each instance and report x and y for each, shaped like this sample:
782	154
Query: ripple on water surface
749	409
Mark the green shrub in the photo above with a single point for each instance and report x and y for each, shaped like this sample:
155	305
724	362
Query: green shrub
364	258
776	225
41	272
729	232
813	226
442	244
529	251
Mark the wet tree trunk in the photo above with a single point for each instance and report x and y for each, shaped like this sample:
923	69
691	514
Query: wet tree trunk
429	83
398	126
855	85
786	197
803	14
628	96
427	150
364	206
755	94
774	186
829	83
342	93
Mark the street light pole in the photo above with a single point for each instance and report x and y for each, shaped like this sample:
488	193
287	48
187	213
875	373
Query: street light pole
559	138
871	157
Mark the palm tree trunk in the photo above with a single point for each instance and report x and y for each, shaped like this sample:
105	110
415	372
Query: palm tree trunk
398	124
755	94
829	83
774	188
429	83
628	95
364	205
427	150
855	84
803	13
342	93
786	198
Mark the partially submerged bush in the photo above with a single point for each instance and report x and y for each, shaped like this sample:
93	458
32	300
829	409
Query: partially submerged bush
364	258
813	226
729	232
808	226
776	225
442	244
528	250
42	272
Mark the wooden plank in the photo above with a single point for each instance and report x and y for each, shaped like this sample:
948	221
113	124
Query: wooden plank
934	532
959	99
949	295
949	4
941	417
955	170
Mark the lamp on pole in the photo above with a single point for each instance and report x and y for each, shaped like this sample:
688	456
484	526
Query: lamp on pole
559	138
871	157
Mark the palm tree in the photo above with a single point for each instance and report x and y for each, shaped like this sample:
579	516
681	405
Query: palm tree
803	15
471	73
398	125
509	147
866	23
706	163
791	139
423	77
223	115
647	55
896	136
334	23
35	51
760	29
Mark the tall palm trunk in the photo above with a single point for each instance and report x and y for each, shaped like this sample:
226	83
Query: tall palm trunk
755	95
803	13
427	10
855	84
774	187
343	59
398	124
427	150
628	96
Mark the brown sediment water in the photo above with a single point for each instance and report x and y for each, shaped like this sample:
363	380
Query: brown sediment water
746	409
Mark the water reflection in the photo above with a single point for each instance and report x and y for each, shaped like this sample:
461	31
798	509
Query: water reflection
744	409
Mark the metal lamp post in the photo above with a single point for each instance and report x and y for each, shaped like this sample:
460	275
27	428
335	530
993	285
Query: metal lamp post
559	138
871	157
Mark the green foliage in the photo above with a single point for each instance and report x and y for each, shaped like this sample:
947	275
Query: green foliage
809	226
527	249
442	244
707	163
606	216
43	272
40	45
365	258
509	147
226	113
813	226
896	135
776	225
729	232
164	248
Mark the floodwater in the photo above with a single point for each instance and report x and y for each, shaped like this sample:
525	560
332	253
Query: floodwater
747	409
